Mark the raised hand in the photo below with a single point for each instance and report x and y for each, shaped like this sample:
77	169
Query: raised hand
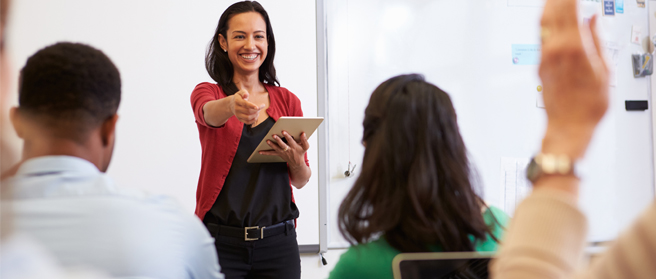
575	79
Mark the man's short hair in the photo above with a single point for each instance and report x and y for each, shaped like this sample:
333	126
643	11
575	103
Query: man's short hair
69	86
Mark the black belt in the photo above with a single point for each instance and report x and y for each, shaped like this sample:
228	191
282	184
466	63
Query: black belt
250	233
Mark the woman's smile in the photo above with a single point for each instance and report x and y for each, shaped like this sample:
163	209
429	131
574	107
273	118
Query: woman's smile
249	56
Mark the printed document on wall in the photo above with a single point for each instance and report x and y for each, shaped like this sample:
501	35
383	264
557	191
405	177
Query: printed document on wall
612	52
514	183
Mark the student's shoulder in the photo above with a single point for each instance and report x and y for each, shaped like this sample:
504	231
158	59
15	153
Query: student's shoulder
497	221
368	260
175	223
161	210
171	208
495	216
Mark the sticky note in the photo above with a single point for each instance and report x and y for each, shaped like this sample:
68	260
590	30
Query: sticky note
539	100
609	7
636	33
619	6
526	54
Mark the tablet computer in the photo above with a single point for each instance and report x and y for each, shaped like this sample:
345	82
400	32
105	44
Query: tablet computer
294	126
447	265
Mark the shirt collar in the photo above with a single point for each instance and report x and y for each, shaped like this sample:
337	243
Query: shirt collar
56	164
60	176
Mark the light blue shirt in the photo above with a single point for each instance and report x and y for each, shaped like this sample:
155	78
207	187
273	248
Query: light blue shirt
83	219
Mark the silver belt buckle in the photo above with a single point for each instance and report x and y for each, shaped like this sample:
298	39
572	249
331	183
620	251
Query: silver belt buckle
257	228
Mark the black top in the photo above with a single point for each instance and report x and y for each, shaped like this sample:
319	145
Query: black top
254	194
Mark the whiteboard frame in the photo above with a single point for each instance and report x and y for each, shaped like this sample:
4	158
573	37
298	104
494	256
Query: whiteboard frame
322	111
651	6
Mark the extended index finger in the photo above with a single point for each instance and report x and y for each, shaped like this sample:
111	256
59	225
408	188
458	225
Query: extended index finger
251	107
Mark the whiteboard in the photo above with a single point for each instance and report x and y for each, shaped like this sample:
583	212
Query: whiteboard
159	48
465	48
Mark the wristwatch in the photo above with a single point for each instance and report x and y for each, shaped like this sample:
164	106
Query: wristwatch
549	164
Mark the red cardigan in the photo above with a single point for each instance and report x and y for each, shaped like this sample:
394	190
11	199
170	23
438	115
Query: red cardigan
219	144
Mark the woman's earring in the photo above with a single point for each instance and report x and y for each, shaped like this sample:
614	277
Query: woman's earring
224	50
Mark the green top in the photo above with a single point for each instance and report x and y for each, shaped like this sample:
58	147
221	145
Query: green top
374	259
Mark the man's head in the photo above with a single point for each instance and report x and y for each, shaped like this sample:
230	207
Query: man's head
68	96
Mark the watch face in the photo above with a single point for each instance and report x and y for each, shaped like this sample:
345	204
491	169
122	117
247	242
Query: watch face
532	170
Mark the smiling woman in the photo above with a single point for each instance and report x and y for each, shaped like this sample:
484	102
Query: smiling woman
248	43
242	16
248	208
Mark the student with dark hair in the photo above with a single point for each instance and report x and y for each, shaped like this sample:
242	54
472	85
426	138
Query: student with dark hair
248	208
68	98
414	192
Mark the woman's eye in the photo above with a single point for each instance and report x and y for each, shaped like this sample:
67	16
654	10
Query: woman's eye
259	36
239	37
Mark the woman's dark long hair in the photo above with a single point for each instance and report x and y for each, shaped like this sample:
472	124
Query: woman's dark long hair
414	185
218	64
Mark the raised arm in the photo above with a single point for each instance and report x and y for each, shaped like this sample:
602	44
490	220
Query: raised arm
547	234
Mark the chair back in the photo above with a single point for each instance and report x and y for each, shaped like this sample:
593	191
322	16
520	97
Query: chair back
442	265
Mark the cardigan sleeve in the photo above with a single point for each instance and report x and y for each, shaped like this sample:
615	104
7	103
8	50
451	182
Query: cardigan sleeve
632	255
547	236
203	93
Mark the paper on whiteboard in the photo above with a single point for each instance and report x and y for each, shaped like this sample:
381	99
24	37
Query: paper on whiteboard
619	6
609	7
612	50
636	33
514	183
526	54
539	100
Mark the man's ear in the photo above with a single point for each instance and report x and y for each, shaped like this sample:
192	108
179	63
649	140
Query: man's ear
17	121
108	130
223	43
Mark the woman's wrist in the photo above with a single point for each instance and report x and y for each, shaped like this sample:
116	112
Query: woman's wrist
297	164
231	105
570	141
